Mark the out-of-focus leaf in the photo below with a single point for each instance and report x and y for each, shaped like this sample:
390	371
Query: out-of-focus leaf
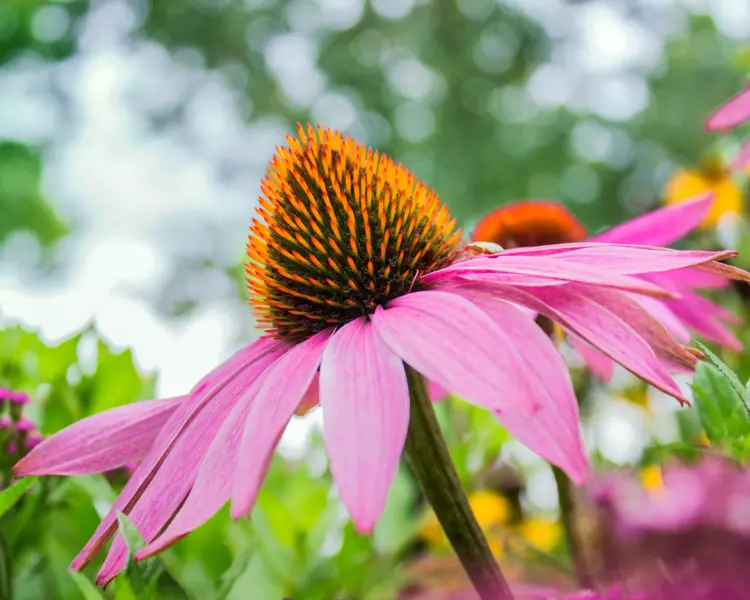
14	493
88	589
234	573
116	381
721	408
123	589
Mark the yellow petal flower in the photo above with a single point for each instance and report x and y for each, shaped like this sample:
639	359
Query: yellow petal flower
543	534
490	509
651	478
687	184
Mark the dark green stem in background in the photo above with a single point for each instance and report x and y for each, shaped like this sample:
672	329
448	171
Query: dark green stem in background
428	457
567	516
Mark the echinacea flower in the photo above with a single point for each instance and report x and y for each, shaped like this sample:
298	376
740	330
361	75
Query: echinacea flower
688	537
353	272
529	222
729	115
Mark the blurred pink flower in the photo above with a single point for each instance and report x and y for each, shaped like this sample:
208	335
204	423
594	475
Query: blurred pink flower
405	299
729	115
688	538
13	397
513	225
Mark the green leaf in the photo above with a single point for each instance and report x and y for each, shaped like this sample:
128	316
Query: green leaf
724	370
141	575
14	493
88	589
720	406
236	570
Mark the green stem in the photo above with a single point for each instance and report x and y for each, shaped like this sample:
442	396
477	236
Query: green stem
431	464
567	516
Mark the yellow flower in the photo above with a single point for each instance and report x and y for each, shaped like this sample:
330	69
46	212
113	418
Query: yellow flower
686	184
543	534
651	478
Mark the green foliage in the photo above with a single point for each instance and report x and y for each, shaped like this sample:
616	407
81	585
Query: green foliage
722	405
22	205
13	494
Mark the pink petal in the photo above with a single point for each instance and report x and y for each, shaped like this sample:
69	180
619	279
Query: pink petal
742	160
269	414
672	355
142	477
632	260
600	327
701	315
495	270
599	364
365	400
660	227
175	476
101	442
660	311
553	431
733	112
690	278
213	484
454	343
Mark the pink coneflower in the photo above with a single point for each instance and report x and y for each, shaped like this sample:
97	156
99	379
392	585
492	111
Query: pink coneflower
353	272
729	115
529	223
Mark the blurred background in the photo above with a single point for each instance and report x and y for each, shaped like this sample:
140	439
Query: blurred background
134	134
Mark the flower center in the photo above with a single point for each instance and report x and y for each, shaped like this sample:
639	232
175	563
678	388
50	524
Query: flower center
529	223
341	230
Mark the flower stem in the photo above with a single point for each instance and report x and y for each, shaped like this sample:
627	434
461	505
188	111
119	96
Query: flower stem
575	546
428	457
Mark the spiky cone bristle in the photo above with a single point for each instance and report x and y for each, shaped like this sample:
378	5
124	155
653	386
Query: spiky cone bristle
340	230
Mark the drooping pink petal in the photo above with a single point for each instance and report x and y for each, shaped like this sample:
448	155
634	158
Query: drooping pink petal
454	343
152	461
742	160
661	312
631	260
675	357
553	431
689	278
660	227
365	401
275	403
702	316
311	399
213	483
599	364
496	269
733	112
175	473
599	327
101	442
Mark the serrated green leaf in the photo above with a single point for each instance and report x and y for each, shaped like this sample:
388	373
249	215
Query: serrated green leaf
88	589
14	493
724	370
721	409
